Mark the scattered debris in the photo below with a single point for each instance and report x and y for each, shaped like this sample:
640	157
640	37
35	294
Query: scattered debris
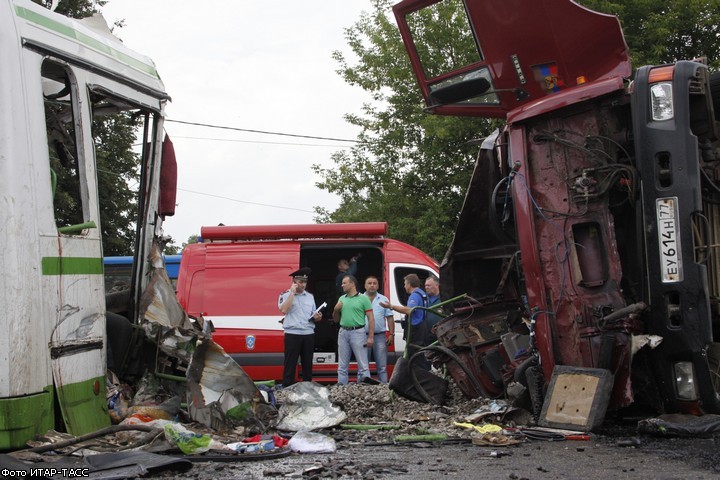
188	441
679	425
494	439
577	398
340	469
415	383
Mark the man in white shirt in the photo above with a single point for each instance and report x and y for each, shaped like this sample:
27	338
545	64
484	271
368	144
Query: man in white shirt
378	351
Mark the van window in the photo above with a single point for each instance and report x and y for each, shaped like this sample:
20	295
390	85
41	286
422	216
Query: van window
63	127
399	275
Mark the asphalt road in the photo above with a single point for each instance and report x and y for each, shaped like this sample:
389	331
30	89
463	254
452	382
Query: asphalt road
601	457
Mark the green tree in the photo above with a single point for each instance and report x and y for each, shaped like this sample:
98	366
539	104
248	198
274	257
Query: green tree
171	248
118	180
665	32
74	8
191	239
408	168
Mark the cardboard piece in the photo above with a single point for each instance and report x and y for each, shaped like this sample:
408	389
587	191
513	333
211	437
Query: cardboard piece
577	398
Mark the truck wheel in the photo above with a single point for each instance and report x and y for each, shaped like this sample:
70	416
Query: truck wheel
536	384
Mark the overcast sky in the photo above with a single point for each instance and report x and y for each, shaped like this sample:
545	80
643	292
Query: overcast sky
251	64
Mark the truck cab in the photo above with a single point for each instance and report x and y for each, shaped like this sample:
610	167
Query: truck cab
589	225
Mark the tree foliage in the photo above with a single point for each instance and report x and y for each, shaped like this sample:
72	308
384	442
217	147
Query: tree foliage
118	180
665	32
411	168
408	168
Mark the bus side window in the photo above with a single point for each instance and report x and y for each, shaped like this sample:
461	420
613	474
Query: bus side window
61	121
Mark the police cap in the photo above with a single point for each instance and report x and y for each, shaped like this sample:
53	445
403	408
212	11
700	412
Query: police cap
301	273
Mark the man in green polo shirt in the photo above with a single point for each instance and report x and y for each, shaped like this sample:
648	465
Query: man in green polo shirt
351	310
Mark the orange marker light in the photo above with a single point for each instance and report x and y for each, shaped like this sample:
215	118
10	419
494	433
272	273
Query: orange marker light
581	79
661	74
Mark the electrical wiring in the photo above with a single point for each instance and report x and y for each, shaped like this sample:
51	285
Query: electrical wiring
263	132
616	170
219	196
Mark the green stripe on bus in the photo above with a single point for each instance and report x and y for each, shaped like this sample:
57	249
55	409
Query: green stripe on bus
72	266
85	39
83	405
22	418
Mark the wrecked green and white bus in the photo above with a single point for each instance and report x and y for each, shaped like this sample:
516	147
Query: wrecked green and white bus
57	75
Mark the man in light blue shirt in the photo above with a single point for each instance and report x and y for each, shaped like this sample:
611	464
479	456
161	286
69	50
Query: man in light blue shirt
383	323
298	306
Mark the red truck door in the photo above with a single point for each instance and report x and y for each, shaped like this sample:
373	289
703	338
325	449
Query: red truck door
506	53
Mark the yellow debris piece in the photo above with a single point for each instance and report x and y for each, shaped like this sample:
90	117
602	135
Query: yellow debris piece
488	428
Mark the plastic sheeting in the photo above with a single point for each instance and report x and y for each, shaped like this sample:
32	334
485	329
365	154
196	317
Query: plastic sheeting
307	406
312	442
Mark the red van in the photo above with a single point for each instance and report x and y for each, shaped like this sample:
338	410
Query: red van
235	275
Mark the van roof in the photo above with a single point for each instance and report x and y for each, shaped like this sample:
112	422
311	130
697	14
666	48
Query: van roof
375	230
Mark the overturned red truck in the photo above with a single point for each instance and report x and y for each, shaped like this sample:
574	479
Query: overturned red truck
589	233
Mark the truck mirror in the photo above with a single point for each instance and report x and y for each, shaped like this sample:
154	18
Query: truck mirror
168	179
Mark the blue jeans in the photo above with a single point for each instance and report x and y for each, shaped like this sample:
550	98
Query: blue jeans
378	352
352	342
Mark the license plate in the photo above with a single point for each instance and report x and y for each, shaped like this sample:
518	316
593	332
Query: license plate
669	241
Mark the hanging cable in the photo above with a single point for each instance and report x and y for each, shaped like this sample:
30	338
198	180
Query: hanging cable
263	132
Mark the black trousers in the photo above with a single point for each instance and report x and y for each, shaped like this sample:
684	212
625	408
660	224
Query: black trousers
302	347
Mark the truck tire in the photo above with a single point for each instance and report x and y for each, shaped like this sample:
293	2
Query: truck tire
536	387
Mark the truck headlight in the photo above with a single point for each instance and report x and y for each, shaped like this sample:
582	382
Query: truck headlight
661	100
685	381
